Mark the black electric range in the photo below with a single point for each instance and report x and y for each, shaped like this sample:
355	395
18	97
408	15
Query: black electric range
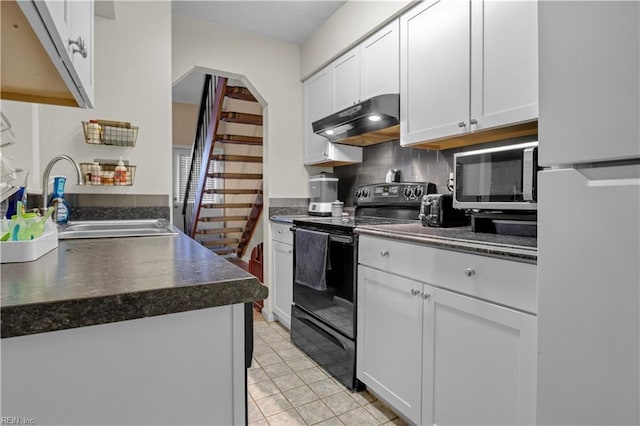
323	317
376	204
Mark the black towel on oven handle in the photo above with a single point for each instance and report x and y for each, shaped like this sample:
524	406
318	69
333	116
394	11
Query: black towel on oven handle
312	253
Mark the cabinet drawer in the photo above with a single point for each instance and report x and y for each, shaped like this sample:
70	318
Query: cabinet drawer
282	232
500	281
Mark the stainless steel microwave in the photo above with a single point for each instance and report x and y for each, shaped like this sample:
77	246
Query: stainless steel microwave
502	178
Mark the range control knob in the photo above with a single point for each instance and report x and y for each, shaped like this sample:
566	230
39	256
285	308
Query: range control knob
408	192
418	191
358	192
365	192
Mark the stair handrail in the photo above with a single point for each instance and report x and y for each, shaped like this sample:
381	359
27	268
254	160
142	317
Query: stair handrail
207	152
196	150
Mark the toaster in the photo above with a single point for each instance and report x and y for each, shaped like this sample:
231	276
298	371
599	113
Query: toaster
437	210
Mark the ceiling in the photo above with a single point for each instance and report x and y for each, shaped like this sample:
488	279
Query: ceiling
291	21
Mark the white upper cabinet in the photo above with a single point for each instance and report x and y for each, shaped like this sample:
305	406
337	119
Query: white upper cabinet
372	68
346	77
589	85
434	59
82	31
379	62
367	70
318	103
51	50
504	62
466	66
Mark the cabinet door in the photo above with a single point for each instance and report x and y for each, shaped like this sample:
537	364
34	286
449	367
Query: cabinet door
318	98
434	82
282	284
59	10
504	62
484	363
346	80
82	28
389	356
589	85
380	62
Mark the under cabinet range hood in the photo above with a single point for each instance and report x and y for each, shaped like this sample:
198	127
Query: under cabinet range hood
372	121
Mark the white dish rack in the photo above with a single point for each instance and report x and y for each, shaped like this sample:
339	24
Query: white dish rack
27	251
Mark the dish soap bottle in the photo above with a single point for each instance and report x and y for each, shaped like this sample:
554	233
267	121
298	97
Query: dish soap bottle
120	174
61	214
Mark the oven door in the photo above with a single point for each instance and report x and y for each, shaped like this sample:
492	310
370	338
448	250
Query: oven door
335	305
497	178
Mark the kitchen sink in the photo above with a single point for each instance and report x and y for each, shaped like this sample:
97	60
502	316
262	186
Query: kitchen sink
116	228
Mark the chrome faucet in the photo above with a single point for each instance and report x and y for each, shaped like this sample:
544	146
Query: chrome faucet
47	171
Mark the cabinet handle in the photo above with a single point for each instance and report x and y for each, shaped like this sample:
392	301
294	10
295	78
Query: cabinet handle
279	231
469	272
325	154
384	253
462	124
415	292
78	47
289	251
426	296
473	121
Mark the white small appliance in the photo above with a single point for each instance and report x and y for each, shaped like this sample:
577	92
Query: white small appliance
323	190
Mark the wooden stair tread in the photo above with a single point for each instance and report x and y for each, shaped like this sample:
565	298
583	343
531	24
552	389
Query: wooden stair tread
239	139
220	242
233	191
224	219
242	93
224	250
254	176
219	231
237	158
228	206
241	117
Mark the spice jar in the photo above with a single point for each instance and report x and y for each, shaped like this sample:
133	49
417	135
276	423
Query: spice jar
96	174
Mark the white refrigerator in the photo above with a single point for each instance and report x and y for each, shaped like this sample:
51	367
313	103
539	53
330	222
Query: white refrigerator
589	213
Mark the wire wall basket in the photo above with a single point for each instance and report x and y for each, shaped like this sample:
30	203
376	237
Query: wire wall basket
105	132
98	174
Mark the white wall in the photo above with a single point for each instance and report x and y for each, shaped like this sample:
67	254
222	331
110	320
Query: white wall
346	27
273	69
132	83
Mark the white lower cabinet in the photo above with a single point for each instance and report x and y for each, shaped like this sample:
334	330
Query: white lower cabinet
484	363
389	356
440	357
282	272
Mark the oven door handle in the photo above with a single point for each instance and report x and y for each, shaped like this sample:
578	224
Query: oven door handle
341	239
344	239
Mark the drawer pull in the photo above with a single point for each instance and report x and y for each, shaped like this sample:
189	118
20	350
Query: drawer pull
415	292
469	272
426	296
384	253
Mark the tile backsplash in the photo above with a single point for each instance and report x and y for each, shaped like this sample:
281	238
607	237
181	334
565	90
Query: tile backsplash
415	165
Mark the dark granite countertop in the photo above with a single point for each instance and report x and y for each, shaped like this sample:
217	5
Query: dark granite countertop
288	219
523	249
95	281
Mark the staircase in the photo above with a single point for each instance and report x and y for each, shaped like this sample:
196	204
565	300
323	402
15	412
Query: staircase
225	180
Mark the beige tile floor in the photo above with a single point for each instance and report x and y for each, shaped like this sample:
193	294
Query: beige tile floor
288	388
